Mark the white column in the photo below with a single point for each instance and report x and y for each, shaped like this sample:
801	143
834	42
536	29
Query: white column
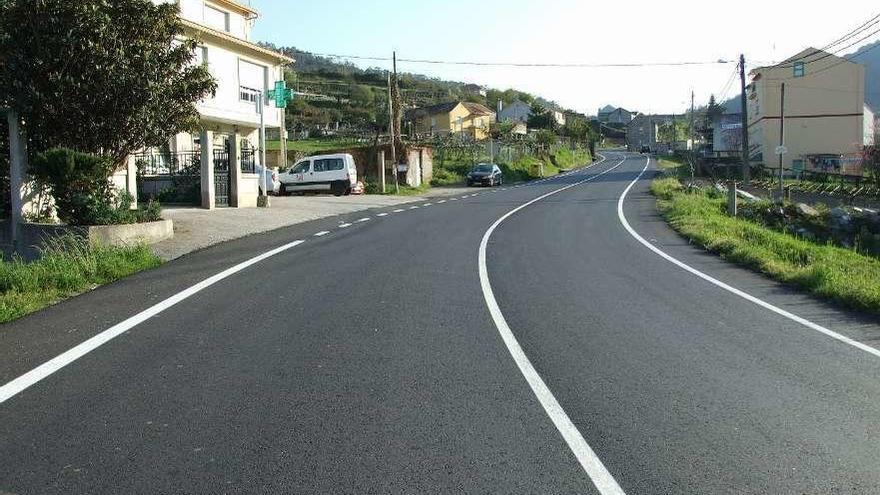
235	169
206	142
131	180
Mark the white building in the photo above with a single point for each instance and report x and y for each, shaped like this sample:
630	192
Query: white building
230	119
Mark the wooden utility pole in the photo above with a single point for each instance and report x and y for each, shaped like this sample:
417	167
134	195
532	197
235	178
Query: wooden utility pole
781	149
746	169
693	143
391	135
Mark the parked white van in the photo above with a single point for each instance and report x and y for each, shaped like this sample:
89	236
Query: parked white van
329	173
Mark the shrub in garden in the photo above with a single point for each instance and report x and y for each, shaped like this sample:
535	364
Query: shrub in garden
83	194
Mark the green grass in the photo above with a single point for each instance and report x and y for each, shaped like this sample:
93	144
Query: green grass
372	187
68	267
310	146
834	273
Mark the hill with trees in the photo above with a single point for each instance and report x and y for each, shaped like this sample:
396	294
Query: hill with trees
332	91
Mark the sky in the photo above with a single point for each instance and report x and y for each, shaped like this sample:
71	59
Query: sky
568	31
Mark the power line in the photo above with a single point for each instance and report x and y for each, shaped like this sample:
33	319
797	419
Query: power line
835	52
522	64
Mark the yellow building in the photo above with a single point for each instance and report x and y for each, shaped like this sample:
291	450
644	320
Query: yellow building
451	118
825	112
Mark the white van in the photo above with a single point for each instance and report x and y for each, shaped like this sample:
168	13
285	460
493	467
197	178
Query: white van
328	173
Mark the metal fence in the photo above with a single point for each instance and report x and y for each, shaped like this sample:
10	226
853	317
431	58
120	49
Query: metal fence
170	178
248	160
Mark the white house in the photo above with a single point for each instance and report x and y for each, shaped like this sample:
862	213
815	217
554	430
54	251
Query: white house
517	111
244	72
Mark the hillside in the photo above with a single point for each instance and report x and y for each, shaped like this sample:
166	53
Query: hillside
334	91
869	55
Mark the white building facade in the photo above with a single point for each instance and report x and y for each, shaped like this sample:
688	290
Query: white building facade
228	148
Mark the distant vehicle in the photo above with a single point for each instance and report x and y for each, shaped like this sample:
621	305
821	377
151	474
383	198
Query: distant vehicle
645	149
321	173
485	174
272	182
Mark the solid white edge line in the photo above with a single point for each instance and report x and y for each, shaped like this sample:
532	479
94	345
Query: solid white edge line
764	304
589	461
46	369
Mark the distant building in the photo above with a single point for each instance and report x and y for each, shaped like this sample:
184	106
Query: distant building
825	111
474	89
727	134
517	111
611	115
641	132
454	117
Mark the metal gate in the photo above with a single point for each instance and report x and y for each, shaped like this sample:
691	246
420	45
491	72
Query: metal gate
221	178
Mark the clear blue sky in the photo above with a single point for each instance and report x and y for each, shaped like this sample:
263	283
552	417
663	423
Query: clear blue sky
564	31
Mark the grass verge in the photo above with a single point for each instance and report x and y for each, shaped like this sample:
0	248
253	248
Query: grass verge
834	273
68	267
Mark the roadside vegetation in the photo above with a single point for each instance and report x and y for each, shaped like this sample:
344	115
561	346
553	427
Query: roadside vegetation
68	266
836	273
312	146
452	172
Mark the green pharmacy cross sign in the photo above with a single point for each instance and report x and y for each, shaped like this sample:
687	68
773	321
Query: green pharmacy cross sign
280	95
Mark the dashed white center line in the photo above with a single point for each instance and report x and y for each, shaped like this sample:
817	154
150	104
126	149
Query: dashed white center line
453	199
365	219
381	214
427	204
413	207
441	201
344	225
322	233
399	210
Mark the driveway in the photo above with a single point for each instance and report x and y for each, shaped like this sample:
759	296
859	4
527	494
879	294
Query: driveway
196	228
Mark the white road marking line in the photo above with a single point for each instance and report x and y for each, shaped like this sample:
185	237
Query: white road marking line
413	207
362	220
399	210
381	214
465	196
453	199
589	461
46	369
344	225
426	204
322	233
441	201
760	302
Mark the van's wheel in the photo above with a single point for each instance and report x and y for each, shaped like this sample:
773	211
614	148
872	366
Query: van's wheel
282	191
338	188
347	191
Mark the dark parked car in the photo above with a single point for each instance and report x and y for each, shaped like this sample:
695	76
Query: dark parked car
645	149
485	174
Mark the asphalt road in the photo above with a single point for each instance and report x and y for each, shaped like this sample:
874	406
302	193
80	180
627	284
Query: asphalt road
367	360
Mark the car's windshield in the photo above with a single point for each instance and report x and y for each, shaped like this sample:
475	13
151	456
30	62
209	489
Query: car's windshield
483	168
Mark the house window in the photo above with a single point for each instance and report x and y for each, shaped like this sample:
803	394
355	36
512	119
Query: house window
251	80
216	19
798	69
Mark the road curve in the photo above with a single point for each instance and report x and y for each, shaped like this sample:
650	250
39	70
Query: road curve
366	360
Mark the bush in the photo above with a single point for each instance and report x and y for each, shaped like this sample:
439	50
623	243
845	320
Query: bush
444	177
83	194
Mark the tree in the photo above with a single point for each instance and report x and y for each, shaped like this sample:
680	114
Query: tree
541	118
106	77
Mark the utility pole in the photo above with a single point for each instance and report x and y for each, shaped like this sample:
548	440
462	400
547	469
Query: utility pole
391	135
393	93
746	169
781	150
693	139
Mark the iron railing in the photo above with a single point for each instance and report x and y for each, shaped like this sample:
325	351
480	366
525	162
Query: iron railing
248	160
157	163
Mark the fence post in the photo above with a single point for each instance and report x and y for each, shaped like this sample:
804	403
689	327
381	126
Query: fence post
382	170
731	198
